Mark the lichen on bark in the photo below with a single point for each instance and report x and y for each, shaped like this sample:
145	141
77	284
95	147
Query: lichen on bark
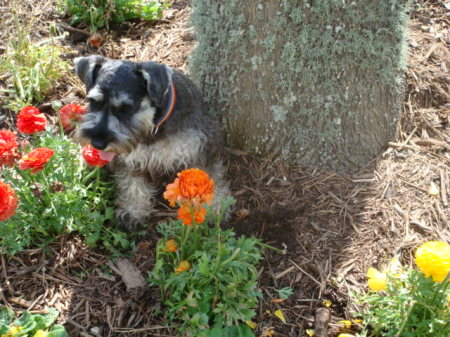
316	83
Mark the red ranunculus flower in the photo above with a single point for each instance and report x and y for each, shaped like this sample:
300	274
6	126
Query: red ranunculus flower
93	156
8	148
36	159
8	201
31	120
70	114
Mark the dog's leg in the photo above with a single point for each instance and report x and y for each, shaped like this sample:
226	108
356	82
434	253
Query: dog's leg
135	199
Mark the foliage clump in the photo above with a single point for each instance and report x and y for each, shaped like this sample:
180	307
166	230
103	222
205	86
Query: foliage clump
100	13
56	192
207	276
409	302
30	325
32	68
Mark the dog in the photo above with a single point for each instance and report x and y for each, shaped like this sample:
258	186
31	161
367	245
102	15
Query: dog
151	121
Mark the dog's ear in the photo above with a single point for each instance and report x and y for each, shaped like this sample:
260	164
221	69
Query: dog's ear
157	78
87	69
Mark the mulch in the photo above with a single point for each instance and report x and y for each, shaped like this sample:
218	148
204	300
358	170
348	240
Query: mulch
332	227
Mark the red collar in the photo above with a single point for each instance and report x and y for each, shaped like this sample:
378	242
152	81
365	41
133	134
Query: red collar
170	106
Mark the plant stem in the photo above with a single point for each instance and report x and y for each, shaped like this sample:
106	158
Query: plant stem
279	251
89	176
406	318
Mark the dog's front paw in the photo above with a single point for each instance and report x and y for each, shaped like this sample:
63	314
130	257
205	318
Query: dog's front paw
127	222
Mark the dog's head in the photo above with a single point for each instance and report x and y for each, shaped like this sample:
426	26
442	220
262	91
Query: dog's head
124	98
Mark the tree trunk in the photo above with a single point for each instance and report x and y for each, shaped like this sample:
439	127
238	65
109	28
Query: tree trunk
317	83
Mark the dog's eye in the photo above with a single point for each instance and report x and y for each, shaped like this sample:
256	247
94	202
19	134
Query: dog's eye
94	105
122	110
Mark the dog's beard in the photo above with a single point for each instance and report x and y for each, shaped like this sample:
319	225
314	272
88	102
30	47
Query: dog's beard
124	136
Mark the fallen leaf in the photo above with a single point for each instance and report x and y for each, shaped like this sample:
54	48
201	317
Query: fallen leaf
345	335
309	332
280	315
433	190
251	324
268	332
326	303
347	324
277	300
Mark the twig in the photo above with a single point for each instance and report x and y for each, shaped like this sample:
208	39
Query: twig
443	187
408	138
72	29
306	273
5	275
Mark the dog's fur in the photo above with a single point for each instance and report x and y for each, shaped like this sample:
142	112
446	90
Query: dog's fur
125	98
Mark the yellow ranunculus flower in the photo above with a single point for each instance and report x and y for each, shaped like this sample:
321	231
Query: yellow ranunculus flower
376	280
41	333
433	259
13	331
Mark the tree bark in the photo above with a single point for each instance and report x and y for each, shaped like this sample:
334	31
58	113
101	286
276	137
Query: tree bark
317	83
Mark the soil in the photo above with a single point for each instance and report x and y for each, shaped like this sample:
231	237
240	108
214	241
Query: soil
332	227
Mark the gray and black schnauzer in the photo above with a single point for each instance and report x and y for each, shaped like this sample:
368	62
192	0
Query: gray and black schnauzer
152	120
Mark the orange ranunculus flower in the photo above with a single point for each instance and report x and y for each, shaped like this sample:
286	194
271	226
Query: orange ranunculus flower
8	148
433	259
31	120
70	114
192	186
94	157
185	214
36	159
8	202
183	266
171	246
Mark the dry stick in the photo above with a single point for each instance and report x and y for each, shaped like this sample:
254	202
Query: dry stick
443	188
304	272
3	298
5	275
54	279
415	186
72	29
408	138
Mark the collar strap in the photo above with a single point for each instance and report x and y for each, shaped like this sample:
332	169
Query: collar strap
170	106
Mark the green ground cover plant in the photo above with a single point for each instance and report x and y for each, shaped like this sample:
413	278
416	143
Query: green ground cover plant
30	325
407	302
32	69
100	13
207	275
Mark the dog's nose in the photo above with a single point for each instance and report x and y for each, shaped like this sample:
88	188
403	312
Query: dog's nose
99	144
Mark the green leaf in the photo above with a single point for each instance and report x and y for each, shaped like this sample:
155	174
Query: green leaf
285	292
57	331
215	332
50	318
92	239
6	316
